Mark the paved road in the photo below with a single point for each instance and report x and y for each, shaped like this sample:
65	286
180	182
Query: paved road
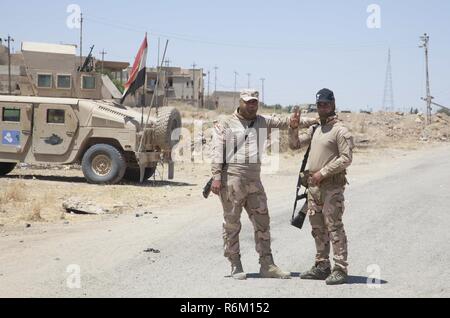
397	220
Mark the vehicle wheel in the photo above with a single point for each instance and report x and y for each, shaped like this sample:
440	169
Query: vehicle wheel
103	164
168	120
6	167
134	174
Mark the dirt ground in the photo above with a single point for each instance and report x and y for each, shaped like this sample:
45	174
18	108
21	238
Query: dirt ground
36	194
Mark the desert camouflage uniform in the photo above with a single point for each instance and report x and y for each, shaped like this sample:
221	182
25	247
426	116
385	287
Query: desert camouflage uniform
331	154
241	182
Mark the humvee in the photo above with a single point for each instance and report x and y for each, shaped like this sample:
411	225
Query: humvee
107	139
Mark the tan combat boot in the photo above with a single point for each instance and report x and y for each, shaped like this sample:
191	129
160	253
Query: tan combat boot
237	272
270	270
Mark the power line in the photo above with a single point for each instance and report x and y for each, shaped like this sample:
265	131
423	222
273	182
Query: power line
194	39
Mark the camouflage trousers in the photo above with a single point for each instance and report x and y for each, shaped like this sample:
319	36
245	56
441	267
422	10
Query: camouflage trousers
238	193
325	209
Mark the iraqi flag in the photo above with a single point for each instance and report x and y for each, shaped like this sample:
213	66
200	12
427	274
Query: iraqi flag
137	75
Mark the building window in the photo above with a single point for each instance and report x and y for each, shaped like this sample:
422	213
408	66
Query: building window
88	82
55	116
64	82
44	80
187	84
10	114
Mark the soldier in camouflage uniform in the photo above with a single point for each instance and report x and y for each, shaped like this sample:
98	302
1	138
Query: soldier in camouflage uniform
330	156
237	180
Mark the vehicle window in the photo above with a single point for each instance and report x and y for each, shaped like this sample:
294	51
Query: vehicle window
88	82
55	116
11	114
64	81
44	81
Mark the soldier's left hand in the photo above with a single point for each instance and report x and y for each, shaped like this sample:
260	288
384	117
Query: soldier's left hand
295	119
316	179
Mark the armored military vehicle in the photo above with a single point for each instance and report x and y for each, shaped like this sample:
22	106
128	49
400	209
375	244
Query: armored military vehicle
106	138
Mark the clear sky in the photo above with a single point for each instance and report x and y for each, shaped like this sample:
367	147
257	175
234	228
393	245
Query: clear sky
298	46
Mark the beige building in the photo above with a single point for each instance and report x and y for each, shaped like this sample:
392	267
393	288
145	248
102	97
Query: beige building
223	101
179	84
51	70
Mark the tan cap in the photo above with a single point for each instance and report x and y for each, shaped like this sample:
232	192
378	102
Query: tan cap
249	94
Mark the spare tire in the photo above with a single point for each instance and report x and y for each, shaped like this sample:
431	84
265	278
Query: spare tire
6	167
169	119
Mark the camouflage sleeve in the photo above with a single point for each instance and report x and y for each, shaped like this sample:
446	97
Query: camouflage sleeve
297	141
277	122
344	160
218	151
284	123
308	122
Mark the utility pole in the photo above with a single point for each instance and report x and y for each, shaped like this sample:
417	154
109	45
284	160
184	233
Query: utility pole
81	40
388	98
9	40
235	87
159	46
215	78
425	40
193	82
209	74
249	75
262	81
103	53
167	62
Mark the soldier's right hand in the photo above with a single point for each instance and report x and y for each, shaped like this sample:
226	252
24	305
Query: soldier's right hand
216	187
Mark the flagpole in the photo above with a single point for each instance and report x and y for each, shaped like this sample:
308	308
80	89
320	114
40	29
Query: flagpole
153	98
144	92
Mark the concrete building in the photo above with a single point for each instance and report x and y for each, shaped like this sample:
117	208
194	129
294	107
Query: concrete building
51	70
180	84
223	101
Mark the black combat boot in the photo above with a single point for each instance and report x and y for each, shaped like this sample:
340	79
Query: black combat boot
317	272
338	277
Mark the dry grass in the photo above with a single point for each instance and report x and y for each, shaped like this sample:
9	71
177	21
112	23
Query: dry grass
35	215
13	193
